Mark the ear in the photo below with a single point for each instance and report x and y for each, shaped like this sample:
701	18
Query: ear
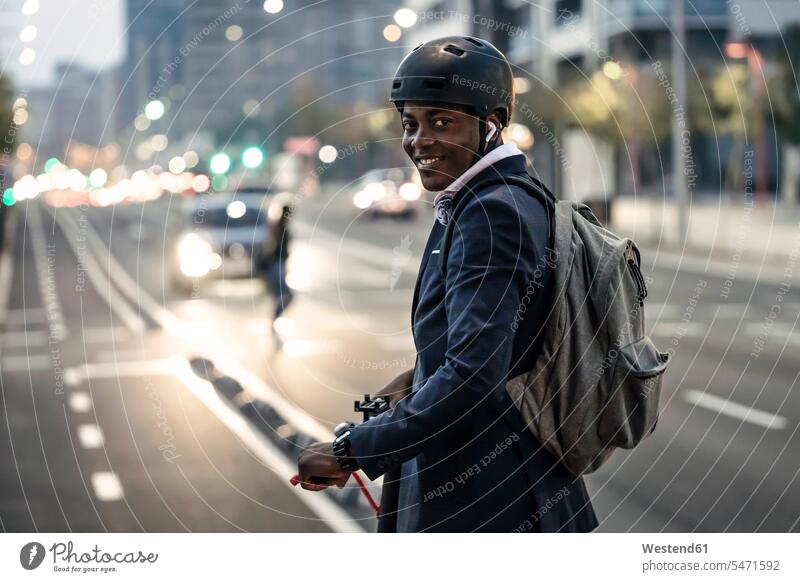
495	118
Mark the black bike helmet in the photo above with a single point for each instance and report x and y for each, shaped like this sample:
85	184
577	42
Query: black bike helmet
458	70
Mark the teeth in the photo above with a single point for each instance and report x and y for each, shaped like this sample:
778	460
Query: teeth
428	161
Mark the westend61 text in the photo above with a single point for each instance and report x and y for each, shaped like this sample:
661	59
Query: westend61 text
671	549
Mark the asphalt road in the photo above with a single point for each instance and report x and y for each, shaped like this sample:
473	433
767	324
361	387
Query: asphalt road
107	426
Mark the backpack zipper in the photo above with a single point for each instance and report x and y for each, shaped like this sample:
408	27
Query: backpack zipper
641	287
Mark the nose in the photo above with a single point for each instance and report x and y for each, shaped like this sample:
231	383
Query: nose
421	139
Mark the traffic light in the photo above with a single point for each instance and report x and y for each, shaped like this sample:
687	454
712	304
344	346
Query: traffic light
252	157
220	163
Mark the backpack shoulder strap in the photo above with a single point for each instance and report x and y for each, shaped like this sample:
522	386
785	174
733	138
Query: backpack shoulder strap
528	183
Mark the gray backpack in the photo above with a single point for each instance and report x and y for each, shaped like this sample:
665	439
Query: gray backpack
595	385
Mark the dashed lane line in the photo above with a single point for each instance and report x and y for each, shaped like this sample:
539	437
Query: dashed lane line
90	436
99	279
735	410
335	517
44	260
106	486
79	402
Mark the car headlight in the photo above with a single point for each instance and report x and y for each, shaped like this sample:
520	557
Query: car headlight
194	254
409	191
362	200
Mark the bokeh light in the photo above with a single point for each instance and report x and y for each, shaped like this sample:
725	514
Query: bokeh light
252	157
273	6
392	33
327	154
154	110
220	163
405	17
233	32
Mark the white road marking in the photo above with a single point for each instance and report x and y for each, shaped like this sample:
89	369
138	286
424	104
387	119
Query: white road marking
778	330
21	339
397	343
47	287
18	317
79	374
678	329
7	266
105	334
729	310
106	486
24	363
79	402
659	311
90	436
734	410
301	348
235	288
267	452
128	286
359	250
255	386
302	421
98	277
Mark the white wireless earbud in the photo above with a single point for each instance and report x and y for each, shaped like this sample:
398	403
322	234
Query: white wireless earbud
491	132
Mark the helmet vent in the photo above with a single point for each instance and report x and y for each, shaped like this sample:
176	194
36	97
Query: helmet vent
396	84
416	47
473	41
433	84
451	48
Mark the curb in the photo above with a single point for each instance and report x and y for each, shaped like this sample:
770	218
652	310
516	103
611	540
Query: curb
6	269
771	271
280	430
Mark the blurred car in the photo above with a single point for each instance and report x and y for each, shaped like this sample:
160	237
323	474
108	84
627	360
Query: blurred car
388	193
221	236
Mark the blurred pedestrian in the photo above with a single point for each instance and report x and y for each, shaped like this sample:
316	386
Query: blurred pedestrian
456	449
273	257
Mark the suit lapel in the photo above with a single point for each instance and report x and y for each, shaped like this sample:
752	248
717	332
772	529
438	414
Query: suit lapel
433	239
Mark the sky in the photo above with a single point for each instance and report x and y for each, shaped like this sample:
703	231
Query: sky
89	32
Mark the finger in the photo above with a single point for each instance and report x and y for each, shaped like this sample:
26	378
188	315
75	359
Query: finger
341	481
312	486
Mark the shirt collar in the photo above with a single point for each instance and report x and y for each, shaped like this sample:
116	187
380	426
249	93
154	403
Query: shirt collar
443	202
500	152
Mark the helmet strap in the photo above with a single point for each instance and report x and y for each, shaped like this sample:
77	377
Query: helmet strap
483	145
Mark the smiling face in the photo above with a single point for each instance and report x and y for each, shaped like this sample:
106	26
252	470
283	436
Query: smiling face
441	140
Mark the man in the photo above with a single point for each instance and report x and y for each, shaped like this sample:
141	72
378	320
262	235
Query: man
466	460
273	257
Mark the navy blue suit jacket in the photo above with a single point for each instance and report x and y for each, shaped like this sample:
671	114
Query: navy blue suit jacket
469	463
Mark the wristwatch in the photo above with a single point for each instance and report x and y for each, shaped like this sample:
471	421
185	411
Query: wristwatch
341	447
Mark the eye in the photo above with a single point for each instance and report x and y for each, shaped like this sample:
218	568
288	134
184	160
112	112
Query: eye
441	122
408	125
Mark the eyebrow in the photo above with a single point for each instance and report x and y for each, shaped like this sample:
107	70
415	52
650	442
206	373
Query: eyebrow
429	114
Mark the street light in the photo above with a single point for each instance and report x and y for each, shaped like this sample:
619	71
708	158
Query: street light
154	110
